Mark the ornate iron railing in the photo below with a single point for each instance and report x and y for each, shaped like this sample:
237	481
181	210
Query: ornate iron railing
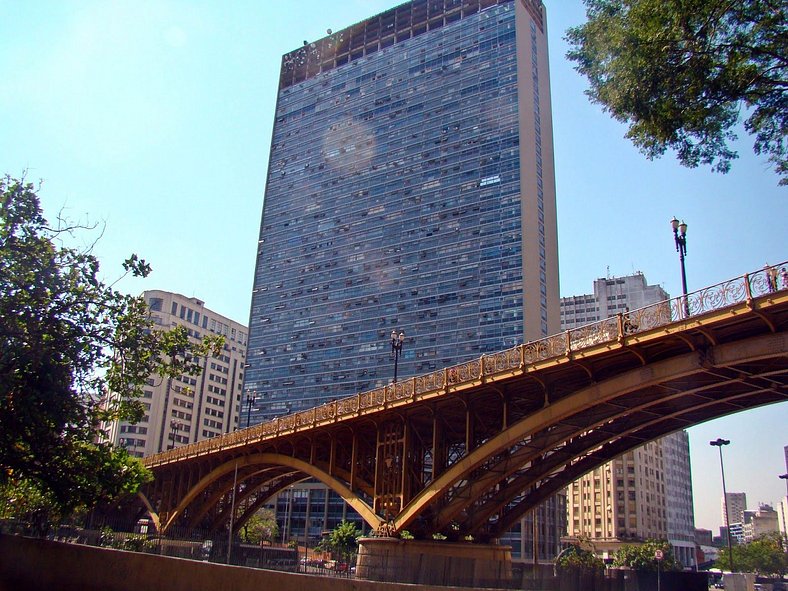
611	330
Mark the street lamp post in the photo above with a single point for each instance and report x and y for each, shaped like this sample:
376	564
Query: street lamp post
175	426
680	237
719	442
250	398
396	348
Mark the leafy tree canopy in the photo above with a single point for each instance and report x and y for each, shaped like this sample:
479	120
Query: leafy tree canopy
74	355
576	557
261	527
342	541
679	72
766	555
642	556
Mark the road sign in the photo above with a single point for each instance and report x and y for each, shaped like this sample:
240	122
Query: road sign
659	555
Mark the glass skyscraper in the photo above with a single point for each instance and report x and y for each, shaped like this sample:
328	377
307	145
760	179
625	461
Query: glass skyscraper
410	187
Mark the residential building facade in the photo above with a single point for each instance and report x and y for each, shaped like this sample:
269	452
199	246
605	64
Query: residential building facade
410	187
188	408
647	492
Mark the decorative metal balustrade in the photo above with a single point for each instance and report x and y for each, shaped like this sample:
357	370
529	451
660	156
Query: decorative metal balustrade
616	329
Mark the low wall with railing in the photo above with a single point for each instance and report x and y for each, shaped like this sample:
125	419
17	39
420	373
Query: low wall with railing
28	564
682	308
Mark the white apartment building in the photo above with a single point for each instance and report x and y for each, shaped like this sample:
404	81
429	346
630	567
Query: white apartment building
646	493
189	408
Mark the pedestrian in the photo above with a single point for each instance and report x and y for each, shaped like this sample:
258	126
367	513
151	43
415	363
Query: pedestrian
784	277
771	277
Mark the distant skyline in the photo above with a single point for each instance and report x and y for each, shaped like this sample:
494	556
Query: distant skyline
154	119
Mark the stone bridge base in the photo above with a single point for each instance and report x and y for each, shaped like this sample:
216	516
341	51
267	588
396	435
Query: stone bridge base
434	563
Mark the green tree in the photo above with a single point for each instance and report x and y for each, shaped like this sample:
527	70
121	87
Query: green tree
576	557
74	355
342	541
642	556
261	527
679	72
765	555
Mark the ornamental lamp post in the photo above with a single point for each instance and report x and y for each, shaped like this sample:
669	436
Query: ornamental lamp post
175	426
396	348
680	238
719	442
250	398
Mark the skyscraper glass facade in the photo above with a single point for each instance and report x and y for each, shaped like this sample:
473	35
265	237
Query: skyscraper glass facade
395	200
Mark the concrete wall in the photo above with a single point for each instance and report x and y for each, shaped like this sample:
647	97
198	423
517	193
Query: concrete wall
28	564
434	563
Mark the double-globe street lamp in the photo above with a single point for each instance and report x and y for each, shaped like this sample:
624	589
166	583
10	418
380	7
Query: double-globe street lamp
396	348
719	442
680	238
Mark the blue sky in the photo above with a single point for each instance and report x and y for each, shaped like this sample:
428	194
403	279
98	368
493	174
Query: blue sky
153	118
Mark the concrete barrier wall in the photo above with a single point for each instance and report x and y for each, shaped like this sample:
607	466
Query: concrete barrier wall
28	564
434	563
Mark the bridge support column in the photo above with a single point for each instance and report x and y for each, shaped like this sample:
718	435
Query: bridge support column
434	563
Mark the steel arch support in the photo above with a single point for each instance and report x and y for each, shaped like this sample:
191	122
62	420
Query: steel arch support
361	507
765	346
149	508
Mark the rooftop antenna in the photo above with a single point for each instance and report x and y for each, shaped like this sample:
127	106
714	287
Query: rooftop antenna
608	272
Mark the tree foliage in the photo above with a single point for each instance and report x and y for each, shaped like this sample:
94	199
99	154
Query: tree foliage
342	541
261	527
766	555
576	557
74	355
642	556
679	72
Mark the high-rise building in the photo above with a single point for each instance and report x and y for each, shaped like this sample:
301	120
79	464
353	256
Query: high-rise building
679	507
410	187
646	493
188	408
737	504
611	296
762	521
782	506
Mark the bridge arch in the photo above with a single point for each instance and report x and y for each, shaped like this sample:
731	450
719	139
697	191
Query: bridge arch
535	417
593	396
229	466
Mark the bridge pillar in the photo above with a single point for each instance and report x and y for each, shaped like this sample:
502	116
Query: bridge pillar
434	563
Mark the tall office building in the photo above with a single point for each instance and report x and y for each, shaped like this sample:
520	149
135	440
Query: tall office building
410	187
782	506
679	508
646	493
188	408
764	520
611	296
737	505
